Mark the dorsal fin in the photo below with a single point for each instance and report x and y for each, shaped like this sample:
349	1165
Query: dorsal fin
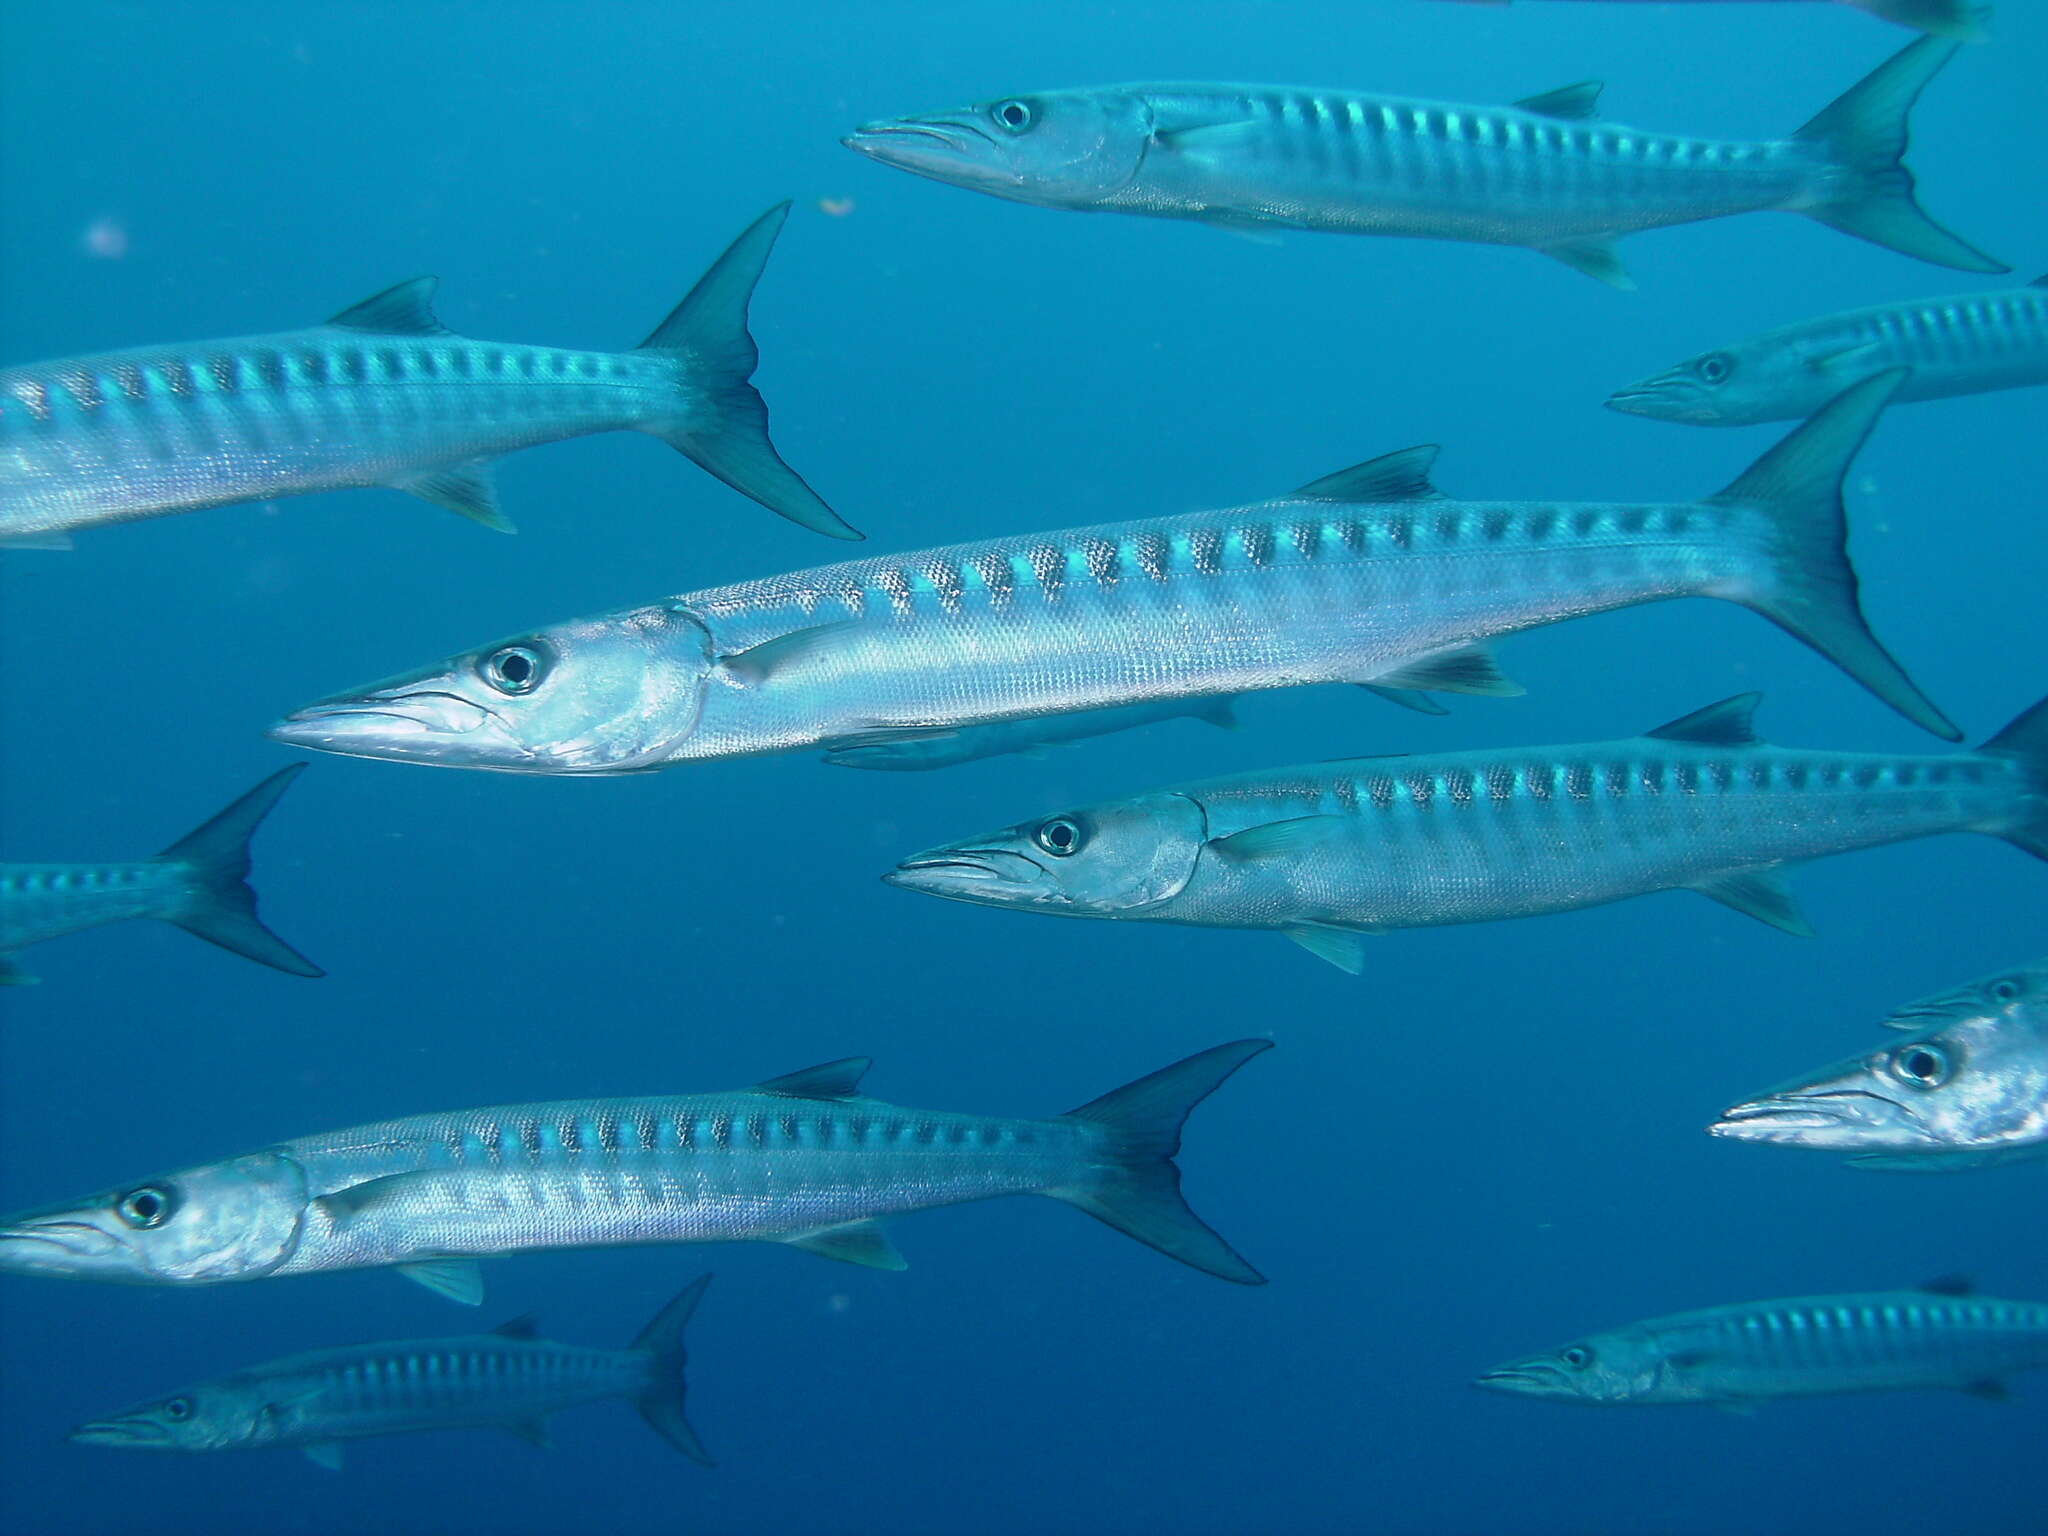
1402	476
2040	282
1950	1285
1573	103
406	309
1730	723
830	1080
525	1326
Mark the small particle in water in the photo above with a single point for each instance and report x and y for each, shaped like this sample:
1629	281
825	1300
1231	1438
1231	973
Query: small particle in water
838	1301
105	237
837	207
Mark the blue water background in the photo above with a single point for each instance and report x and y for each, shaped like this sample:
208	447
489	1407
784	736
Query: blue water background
1488	1142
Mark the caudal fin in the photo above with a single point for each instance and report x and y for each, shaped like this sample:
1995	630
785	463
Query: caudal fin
726	427
661	1403
1139	1192
218	905
2026	739
1811	590
1870	192
1944	18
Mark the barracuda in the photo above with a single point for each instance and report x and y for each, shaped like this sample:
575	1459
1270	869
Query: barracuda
200	883
510	1379
1945	18
382	394
1367	576
1539	174
803	1160
1806	1346
1967	1088
971	743
1961	345
1333	851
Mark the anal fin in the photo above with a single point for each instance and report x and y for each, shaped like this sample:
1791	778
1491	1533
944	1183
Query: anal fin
1469	669
463	488
1407	698
324	1453
1596	258
1342	947
855	1242
1763	895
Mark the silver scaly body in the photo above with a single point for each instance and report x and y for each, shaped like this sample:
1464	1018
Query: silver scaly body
382	394
1367	576
1333	850
1963	344
1543	173
802	1160
1804	1346
510	1379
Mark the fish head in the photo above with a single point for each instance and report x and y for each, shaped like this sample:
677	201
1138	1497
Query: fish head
218	1416
1057	149
1114	860
234	1220
1608	1368
1971	1076
591	696
1731	387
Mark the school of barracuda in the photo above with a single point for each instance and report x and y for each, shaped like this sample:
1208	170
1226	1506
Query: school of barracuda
925	659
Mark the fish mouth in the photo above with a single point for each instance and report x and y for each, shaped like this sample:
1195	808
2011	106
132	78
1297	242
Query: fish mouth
1847	1117
121	1432
971	874
948	146
416	725
54	1245
1665	397
1517	1379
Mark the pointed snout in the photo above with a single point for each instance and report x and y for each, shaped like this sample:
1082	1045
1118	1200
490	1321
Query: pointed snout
968	874
407	723
56	1244
129	1432
1845	1119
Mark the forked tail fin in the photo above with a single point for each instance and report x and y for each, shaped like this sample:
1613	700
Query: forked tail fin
1139	1193
1810	589
2026	740
661	1401
726	427
1863	134
219	905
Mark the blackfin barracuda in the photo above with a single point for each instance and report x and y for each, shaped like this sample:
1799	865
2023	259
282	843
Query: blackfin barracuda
1942	1337
1959	19
1966	1088
1963	344
1542	173
200	883
382	394
1367	576
1333	851
803	1160
510	1379
891	752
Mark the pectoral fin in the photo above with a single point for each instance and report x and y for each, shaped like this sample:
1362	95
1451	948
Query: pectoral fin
759	663
1763	895
457	1279
856	1242
1277	839
464	488
1855	362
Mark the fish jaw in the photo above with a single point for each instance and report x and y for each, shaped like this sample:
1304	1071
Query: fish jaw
947	146
411	722
65	1243
1845	1119
1528	1378
1674	395
990	877
136	1433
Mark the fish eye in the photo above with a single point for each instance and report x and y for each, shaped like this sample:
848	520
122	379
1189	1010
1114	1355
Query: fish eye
1577	1356
178	1409
1014	115
1715	367
513	669
2007	989
146	1207
1061	837
1924	1065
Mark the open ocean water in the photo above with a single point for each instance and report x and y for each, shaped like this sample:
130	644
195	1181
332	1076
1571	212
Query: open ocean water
1487	1143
